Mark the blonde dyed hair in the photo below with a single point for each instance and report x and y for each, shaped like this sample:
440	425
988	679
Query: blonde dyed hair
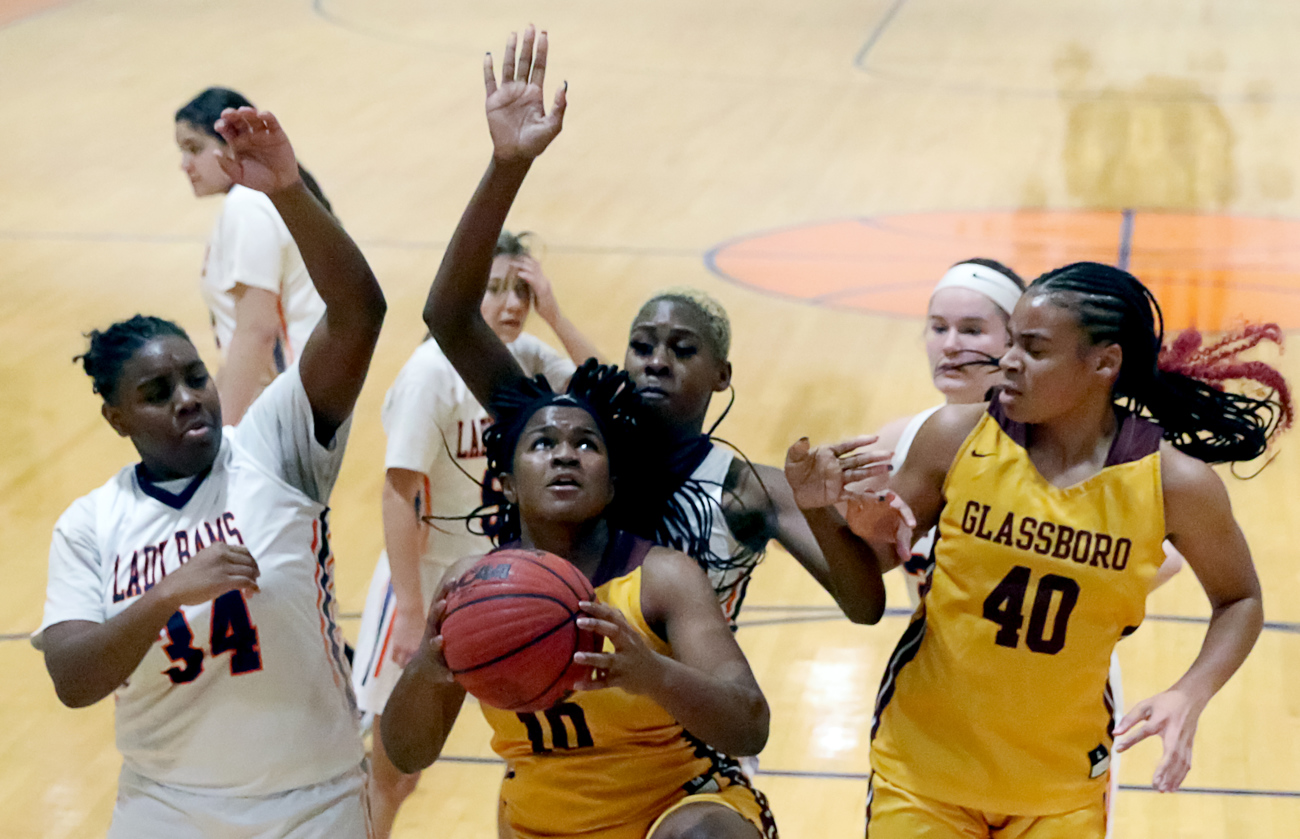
716	322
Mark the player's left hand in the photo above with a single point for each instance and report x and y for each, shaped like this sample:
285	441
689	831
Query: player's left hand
880	518
258	154
632	666
1173	715
819	476
530	271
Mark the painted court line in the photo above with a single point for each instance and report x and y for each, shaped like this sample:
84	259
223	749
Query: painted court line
862	776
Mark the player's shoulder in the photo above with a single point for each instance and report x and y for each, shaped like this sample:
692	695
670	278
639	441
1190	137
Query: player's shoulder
83	513
1185	478
669	573
427	359
531	352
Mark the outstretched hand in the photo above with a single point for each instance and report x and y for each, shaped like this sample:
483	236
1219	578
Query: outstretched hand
521	129
818	476
1173	715
258	154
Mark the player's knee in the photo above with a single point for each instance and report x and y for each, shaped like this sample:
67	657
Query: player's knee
706	821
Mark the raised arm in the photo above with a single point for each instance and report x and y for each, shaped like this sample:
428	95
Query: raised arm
337	356
521	130
706	685
1201	526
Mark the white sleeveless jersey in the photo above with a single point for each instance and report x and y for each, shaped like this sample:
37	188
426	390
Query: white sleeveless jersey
242	695
251	246
921	548
435	427
730	582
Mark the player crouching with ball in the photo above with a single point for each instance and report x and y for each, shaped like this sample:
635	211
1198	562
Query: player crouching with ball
656	712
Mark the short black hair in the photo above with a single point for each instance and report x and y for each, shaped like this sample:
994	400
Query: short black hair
111	348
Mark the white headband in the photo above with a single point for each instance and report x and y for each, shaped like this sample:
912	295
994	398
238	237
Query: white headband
994	285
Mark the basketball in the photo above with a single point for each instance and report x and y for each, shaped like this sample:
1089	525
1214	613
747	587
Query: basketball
510	629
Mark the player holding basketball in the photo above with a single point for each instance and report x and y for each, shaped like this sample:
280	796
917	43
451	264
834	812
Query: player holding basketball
676	355
1052	504
639	751
434	462
196	587
263	304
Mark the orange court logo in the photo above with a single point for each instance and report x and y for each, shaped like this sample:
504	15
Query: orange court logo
1207	271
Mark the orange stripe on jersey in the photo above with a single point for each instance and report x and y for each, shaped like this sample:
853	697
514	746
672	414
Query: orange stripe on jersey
383	648
320	600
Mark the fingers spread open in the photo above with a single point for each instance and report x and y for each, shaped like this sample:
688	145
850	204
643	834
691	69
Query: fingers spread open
846	446
561	102
508	63
489	74
524	65
538	74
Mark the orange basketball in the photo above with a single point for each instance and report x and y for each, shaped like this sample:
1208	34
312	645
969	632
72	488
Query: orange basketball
510	629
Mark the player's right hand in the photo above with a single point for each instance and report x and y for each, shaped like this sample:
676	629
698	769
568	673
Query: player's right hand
212	572
517	119
819	476
258	153
429	659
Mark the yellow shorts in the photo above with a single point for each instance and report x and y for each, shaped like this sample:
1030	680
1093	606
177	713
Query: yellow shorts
749	803
741	798
896	813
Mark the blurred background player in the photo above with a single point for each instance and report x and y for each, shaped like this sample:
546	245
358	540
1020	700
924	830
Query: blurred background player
262	303
639	751
434	464
197	586
1052	505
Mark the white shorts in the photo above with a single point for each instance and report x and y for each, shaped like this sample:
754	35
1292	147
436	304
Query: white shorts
374	673
146	809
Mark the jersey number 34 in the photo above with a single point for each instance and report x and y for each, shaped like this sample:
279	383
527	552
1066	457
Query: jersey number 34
232	632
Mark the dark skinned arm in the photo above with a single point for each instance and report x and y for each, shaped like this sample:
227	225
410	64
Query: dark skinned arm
521	130
337	356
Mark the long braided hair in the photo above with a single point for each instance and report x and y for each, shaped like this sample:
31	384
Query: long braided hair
1181	387
648	502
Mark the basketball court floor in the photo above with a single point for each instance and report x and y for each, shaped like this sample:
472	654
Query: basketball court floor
815	165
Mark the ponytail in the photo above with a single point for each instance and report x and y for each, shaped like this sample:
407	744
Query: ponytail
1181	386
203	111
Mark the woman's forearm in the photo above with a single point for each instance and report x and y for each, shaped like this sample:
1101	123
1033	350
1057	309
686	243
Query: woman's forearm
88	661
1232	632
729	716
420	713
854	566
577	345
452	309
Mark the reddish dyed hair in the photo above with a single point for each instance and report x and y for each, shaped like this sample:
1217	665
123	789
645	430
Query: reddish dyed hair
1220	362
1181	387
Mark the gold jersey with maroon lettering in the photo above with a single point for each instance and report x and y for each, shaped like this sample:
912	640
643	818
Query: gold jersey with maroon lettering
997	697
606	764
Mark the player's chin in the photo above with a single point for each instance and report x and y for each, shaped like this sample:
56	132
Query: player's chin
569	505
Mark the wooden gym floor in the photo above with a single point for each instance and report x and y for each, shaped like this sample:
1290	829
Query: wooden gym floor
814	165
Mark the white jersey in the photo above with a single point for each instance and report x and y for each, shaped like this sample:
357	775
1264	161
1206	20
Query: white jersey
917	568
251	246
435	427
245	695
729	582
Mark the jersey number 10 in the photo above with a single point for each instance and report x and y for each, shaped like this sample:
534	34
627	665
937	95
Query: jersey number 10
1005	606
232	632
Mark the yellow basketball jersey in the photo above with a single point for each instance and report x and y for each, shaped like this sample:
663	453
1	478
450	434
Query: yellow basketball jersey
997	698
604	763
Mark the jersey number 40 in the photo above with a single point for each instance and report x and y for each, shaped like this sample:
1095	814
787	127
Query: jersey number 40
1005	606
232	632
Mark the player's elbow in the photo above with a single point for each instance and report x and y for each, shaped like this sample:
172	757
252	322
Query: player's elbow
753	735
868	614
